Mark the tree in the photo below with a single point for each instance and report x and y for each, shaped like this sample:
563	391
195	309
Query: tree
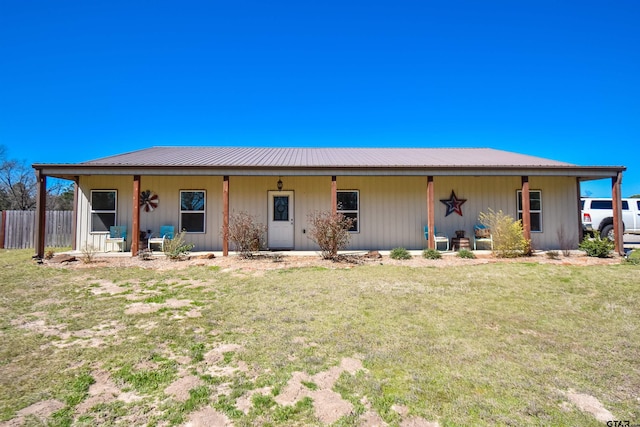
60	196
17	184
18	187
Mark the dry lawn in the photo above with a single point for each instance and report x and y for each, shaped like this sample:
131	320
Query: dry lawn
292	340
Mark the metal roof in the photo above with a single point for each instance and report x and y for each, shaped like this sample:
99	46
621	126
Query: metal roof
325	161
243	157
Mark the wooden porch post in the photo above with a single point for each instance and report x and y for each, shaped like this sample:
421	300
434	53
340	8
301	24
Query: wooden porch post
74	219
334	195
41	210
580	230
135	223
3	225
431	215
618	227
225	215
526	209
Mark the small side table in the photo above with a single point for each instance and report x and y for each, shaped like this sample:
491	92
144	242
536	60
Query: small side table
458	243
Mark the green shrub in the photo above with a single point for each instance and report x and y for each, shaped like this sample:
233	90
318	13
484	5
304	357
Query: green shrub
177	248
634	257
508	235
329	231
597	246
399	253
465	253
431	254
246	234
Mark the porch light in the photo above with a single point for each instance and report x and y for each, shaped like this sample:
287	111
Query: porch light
279	184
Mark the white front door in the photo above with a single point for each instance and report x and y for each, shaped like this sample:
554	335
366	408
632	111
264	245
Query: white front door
280	226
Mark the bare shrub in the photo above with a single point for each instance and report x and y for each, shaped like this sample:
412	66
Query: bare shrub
508	235
564	240
330	231
553	255
88	253
246	234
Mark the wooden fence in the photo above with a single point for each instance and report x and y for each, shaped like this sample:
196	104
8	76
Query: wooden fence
17	230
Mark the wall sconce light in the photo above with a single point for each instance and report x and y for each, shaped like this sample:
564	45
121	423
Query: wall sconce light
279	184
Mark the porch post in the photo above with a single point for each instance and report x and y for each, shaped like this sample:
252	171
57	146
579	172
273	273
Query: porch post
526	209
225	215
3	225
74	218
431	215
580	230
41	208
334	195
618	229
135	224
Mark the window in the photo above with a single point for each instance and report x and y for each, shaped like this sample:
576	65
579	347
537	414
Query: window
535	208
608	204
280	208
103	210
192	211
349	206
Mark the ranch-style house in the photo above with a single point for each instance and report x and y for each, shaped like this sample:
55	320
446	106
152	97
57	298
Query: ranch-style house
393	195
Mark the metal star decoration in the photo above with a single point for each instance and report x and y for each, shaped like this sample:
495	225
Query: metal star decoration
453	204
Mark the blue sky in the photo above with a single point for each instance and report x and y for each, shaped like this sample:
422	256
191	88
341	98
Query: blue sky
558	79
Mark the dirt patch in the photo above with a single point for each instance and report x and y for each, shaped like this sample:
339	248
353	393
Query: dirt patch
207	417
39	410
329	405
591	405
103	390
179	389
152	307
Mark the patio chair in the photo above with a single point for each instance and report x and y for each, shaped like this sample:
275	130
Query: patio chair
439	237
166	233
482	233
117	235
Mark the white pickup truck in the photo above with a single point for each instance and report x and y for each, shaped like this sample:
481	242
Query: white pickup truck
597	215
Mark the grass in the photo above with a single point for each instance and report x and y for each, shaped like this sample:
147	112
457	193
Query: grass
493	344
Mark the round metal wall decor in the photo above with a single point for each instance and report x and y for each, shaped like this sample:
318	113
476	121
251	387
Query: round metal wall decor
149	200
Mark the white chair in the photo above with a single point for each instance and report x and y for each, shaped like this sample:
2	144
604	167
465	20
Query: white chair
166	233
482	233
117	235
439	237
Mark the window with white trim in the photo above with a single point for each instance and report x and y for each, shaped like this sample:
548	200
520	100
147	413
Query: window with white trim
349	206
535	208
103	210
192	211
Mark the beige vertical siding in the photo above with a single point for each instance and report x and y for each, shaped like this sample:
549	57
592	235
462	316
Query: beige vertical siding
393	210
559	213
167	213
